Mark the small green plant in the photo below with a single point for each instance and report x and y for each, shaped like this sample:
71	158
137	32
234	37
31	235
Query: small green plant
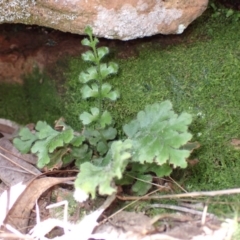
219	11
155	143
97	122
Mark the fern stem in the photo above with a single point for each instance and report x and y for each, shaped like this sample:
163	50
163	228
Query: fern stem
99	80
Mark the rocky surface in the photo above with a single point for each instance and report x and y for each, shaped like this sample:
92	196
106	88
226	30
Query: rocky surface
118	19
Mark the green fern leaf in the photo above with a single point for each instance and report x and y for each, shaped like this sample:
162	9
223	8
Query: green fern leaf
160	171
49	140
78	140
88	75
44	130
25	140
102	51
158	133
109	133
88	118
80	154
108	93
89	91
86	42
92	177
88	56
106	119
108	69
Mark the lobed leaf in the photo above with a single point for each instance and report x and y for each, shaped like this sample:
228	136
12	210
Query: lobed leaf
88	30
102	147
113	95
88	56
157	135
102	51
44	130
41	150
93	177
88	92
92	135
79	154
107	69
109	133
131	128
25	140
107	93
77	140
56	159
90	74
48	140
60	139
86	42
88	118
99	138
160	171
106	119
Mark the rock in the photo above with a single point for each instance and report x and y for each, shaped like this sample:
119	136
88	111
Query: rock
113	19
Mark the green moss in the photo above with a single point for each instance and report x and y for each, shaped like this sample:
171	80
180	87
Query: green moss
44	102
35	99
12	103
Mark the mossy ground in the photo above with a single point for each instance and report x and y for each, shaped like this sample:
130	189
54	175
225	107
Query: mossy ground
36	99
200	75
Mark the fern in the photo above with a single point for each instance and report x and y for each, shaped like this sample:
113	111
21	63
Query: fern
156	141
45	143
157	135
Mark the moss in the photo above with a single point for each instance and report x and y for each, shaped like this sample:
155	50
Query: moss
36	99
12	103
44	102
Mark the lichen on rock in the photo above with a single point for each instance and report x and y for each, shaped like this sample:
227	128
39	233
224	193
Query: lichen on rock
14	10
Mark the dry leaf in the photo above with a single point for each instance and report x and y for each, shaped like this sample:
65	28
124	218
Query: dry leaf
18	216
82	230
13	169
8	128
8	198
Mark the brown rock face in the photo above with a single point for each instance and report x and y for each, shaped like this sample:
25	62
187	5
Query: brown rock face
114	19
